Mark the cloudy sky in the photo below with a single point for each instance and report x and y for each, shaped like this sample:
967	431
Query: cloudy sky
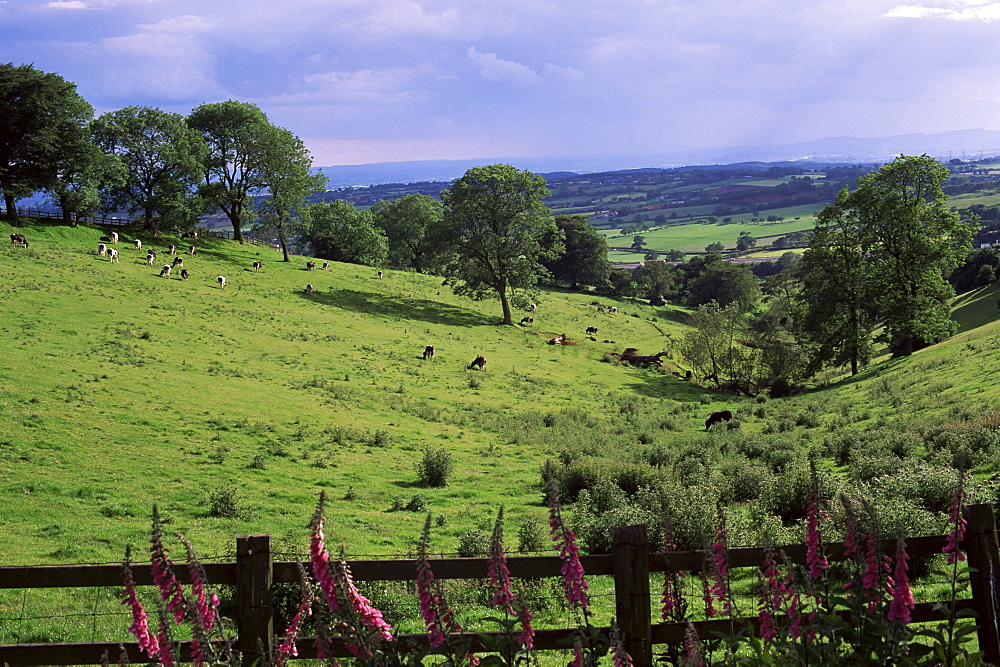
390	80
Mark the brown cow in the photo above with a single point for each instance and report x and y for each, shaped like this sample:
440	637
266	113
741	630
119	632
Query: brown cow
479	362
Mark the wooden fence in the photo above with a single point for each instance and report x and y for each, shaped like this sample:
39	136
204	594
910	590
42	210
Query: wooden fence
630	563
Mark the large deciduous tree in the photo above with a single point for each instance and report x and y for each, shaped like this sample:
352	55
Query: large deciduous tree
238	137
289	181
585	258
882	253
42	117
497	222
340	232
413	226
836	314
913	240
163	158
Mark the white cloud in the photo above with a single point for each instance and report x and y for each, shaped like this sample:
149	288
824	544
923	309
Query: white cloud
957	10
367	86
494	68
69	4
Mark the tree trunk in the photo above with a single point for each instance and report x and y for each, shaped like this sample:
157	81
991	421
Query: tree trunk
10	204
505	304
234	219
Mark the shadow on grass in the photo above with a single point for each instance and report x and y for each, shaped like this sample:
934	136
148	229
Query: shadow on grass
655	385
976	308
405	308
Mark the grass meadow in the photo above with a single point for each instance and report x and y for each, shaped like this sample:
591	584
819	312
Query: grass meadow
231	410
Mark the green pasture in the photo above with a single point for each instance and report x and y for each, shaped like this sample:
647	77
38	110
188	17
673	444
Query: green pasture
121	388
695	236
233	409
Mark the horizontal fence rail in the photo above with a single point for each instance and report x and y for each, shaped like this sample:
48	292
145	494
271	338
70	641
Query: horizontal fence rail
630	563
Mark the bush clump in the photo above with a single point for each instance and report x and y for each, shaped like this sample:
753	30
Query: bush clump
435	467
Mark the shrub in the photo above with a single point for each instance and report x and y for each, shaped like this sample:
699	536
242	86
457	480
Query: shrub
225	503
435	467
530	535
259	462
473	543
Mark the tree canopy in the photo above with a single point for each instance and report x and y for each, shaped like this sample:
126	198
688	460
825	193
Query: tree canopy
286	167
238	136
341	233
496	222
413	226
882	253
163	158
42	118
584	260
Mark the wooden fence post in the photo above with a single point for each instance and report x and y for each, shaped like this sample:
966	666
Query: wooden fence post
630	559
254	614
980	544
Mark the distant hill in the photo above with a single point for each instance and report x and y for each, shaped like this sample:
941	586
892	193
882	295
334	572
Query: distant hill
965	144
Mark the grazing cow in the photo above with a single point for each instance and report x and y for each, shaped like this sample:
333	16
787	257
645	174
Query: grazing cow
380	275
326	266
102	250
150	258
256	266
309	289
173	249
479	362
222	282
113	256
591	330
152	251
178	261
632	356
527	320
429	352
562	340
113	236
193	250
184	274
138	244
718	418
533	307
613	309
165	271
189	235
18	240
310	266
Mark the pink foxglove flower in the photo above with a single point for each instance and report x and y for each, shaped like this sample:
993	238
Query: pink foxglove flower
140	622
574	583
692	647
204	610
957	521
902	598
674	608
496	570
526	638
815	559
619	656
434	610
577	654
166	582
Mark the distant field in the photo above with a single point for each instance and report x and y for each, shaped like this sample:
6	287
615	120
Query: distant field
694	237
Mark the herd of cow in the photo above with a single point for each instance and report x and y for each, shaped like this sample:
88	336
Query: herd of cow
630	355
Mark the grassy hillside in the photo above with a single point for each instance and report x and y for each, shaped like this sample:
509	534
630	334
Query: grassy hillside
121	388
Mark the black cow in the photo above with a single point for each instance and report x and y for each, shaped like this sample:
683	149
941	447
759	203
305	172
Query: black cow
527	320
479	362
718	418
429	352
17	240
184	274
310	266
592	330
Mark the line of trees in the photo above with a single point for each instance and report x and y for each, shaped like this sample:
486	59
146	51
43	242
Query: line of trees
165	167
